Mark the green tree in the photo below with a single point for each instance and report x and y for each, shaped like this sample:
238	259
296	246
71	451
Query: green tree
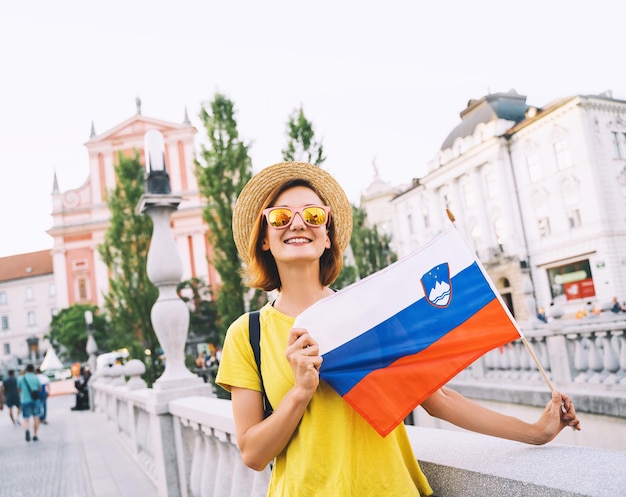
223	171
370	250
68	333
125	252
301	142
203	316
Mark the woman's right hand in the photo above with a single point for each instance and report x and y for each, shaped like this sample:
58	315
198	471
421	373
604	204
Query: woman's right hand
261	439
303	355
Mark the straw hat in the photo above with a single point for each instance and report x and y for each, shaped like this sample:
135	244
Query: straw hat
256	191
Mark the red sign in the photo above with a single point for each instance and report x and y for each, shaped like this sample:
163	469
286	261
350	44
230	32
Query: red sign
579	289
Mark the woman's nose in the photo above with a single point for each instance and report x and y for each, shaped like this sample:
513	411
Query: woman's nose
298	222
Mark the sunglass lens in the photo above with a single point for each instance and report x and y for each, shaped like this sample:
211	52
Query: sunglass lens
278	218
315	216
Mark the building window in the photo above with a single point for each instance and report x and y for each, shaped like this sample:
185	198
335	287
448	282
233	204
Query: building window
500	230
426	217
535	171
573	217
490	185
82	289
5	323
7	349
617	151
409	219
31	319
561	152
468	195
30	293
544	227
476	237
573	280
52	290
3	298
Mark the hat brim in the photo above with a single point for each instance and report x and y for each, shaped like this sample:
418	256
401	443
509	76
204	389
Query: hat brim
255	193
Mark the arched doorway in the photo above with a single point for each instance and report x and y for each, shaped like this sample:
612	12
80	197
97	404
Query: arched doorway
504	288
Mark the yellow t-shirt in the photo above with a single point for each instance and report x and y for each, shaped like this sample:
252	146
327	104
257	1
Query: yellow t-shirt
334	451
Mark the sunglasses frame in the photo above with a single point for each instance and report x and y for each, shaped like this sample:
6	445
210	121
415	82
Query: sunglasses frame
294	211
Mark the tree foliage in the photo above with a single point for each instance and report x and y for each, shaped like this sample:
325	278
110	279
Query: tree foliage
371	251
68	333
301	142
125	252
223	171
203	316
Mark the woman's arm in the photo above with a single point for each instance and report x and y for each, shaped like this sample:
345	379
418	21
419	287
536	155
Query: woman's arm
453	407
259	439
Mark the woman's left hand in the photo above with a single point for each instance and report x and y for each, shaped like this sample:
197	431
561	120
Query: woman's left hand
558	414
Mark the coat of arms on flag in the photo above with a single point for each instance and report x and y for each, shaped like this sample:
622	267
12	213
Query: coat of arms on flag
390	340
436	285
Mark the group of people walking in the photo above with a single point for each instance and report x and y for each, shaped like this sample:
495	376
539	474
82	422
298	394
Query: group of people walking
26	396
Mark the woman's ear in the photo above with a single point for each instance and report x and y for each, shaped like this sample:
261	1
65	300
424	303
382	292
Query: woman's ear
266	243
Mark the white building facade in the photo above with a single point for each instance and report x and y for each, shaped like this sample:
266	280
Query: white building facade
28	299
540	194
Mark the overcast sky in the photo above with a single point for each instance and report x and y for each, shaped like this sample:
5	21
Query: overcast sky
380	81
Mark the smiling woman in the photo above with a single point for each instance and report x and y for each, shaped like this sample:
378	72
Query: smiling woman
283	231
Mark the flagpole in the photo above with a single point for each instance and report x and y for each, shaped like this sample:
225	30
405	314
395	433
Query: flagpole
522	337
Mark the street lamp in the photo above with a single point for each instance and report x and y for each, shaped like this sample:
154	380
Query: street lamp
170	316
158	181
92	346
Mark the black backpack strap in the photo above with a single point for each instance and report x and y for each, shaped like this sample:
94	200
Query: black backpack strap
254	330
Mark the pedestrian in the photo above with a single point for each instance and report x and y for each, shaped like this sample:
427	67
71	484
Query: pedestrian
81	383
43	395
29	387
541	315
291	224
12	396
615	306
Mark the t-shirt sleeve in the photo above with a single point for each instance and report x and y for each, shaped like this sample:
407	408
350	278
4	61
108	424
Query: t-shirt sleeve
237	366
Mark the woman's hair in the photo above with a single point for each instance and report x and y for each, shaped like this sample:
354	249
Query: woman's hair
261	271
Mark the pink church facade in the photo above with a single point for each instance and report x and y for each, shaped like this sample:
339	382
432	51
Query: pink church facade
81	216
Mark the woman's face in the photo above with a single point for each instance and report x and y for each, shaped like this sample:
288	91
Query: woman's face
299	242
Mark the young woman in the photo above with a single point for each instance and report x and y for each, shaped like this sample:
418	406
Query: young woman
291	224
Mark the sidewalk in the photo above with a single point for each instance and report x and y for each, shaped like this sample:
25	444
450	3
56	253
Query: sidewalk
77	455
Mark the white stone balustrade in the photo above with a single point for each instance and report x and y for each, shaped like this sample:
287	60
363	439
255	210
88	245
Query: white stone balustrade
591	353
207	461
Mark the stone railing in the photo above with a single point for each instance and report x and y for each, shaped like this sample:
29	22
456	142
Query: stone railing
587	358
188	446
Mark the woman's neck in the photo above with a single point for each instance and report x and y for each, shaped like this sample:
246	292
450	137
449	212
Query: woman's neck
298	294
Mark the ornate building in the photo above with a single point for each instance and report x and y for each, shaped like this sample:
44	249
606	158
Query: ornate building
540	194
80	216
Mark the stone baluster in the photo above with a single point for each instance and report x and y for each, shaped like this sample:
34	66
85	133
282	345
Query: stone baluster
135	369
622	355
596	364
525	362
610	359
224	464
116	373
197	460
581	356
209	468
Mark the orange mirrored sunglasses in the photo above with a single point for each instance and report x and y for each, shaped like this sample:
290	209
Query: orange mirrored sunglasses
313	215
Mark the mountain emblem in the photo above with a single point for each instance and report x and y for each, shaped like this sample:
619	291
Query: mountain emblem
437	285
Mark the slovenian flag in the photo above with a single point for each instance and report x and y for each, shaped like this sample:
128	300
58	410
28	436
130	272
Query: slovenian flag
390	340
